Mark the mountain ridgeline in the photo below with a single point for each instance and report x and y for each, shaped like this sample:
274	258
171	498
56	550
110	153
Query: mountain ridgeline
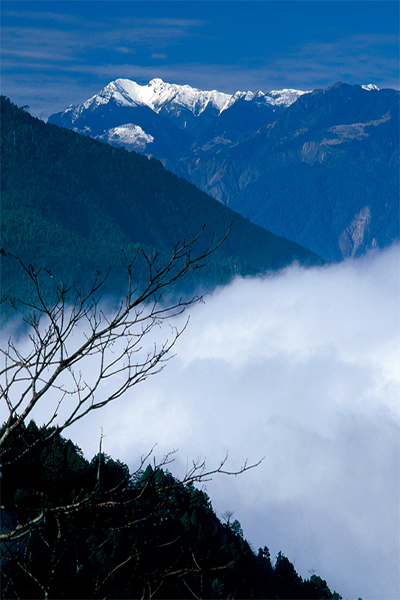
320	168
71	204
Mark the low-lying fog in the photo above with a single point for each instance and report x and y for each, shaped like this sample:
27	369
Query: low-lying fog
301	368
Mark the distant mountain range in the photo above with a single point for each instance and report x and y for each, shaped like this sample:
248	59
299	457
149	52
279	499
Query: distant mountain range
71	204
167	119
320	167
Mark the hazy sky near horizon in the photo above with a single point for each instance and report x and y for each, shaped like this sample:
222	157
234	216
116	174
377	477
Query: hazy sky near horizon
61	52
299	367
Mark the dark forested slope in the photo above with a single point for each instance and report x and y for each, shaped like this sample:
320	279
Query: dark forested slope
140	535
71	203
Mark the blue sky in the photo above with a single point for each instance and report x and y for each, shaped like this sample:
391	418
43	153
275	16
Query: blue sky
327	494
57	53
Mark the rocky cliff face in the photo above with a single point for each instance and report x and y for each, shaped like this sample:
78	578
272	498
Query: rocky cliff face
353	239
325	173
303	165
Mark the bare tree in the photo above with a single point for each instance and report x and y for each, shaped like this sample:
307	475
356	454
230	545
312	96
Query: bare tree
50	374
22	540
52	367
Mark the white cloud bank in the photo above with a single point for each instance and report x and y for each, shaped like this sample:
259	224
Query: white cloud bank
303	368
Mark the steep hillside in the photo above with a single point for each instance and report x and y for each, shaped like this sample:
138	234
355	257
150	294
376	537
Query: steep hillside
154	533
326	173
71	203
320	168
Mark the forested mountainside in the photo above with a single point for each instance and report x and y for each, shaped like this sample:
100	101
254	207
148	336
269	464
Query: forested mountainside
71	204
320	168
99	531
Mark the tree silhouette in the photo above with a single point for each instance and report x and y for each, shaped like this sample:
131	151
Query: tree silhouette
53	364
73	528
64	332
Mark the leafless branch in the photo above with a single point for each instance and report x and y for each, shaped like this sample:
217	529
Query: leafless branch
49	371
115	343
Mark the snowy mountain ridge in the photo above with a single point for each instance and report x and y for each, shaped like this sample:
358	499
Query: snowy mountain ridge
158	94
320	168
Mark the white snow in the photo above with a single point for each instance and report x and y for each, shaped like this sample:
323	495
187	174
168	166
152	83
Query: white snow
274	98
232	99
158	94
370	87
128	135
249	96
285	97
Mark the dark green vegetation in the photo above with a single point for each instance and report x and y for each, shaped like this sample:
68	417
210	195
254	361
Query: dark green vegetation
101	532
78	529
71	204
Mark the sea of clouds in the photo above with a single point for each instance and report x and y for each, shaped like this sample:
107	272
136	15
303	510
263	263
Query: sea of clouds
302	368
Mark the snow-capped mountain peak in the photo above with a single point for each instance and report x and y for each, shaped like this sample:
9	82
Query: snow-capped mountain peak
113	91
159	115
159	95
370	87
274	98
284	97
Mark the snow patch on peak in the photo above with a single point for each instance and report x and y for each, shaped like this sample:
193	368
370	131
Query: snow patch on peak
128	135
274	98
249	96
232	99
157	81
132	91
157	93
115	90
370	87
285	97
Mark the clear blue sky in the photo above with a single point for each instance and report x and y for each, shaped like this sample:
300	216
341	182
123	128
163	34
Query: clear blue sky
56	53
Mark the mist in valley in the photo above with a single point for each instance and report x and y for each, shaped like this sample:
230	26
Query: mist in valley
299	368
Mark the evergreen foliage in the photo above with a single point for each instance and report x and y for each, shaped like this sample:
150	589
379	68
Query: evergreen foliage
135	535
70	204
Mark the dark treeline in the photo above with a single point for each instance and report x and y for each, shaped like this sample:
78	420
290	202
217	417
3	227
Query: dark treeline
71	204
140	535
78	529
